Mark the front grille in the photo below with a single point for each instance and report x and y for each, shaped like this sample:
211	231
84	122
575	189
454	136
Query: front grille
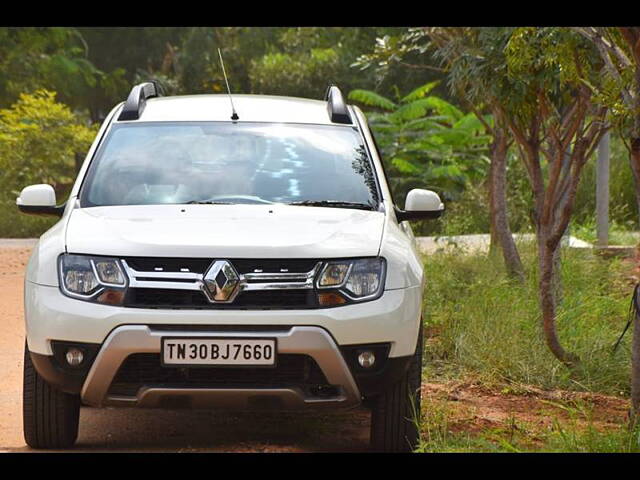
144	369
180	283
254	300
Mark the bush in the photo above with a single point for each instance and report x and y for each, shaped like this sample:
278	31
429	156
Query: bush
294	74
39	139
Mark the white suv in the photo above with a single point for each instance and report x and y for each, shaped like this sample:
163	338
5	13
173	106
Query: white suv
210	260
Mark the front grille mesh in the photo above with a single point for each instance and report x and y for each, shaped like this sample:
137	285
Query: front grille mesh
255	300
145	369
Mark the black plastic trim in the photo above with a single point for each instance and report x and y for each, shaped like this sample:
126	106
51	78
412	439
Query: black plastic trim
336	105
386	372
57	373
137	100
403	215
57	211
360	126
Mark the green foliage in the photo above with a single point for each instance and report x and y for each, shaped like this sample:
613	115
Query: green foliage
618	77
371	99
555	56
39	139
476	309
293	61
426	141
398	60
623	209
54	58
299	74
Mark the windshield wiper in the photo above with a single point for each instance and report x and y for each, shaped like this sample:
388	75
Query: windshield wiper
206	202
334	204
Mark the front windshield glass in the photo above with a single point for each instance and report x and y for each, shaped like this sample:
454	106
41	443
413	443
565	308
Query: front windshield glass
176	163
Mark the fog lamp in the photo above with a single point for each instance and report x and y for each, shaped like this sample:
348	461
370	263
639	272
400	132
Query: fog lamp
74	357
366	359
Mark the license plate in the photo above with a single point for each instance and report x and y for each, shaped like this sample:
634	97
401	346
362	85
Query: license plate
218	351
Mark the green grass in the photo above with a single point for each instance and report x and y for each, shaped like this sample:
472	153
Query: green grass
618	234
483	326
578	433
487	325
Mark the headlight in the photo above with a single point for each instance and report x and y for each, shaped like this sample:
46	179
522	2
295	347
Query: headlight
358	279
98	279
365	278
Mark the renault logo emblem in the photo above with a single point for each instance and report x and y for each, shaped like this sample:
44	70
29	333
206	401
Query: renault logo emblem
221	282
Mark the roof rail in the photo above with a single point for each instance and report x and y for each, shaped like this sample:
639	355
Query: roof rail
336	107
137	100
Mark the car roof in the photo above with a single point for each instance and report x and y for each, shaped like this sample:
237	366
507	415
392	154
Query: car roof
250	108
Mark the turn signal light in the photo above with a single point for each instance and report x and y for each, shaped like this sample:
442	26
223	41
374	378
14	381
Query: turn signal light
111	297
331	298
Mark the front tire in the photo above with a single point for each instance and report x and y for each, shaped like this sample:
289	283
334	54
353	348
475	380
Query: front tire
395	414
50	417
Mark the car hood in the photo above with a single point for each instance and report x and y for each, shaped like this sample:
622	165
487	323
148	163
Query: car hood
231	231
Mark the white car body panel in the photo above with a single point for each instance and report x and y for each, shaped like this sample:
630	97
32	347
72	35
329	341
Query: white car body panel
394	317
225	231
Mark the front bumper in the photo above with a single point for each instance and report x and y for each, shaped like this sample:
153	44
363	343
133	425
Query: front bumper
129	339
323	334
393	318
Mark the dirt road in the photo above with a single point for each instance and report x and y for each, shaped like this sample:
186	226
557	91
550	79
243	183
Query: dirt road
158	430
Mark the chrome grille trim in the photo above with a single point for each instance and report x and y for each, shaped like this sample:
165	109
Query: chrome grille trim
278	276
195	281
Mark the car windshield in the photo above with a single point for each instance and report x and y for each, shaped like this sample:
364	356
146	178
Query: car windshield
177	163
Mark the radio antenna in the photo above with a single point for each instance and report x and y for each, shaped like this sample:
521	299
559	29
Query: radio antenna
234	115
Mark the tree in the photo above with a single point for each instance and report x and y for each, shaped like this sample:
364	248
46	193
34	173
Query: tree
539	82
619	49
300	75
453	46
459	49
555	119
39	139
54	58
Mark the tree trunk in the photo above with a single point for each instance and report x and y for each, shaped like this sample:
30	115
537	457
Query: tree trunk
493	239
498	205
547	289
634	157
634	160
635	365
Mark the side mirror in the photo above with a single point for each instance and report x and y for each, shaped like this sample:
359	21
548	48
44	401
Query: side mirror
39	200
420	205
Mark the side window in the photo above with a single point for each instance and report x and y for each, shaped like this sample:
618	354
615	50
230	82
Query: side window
384	170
